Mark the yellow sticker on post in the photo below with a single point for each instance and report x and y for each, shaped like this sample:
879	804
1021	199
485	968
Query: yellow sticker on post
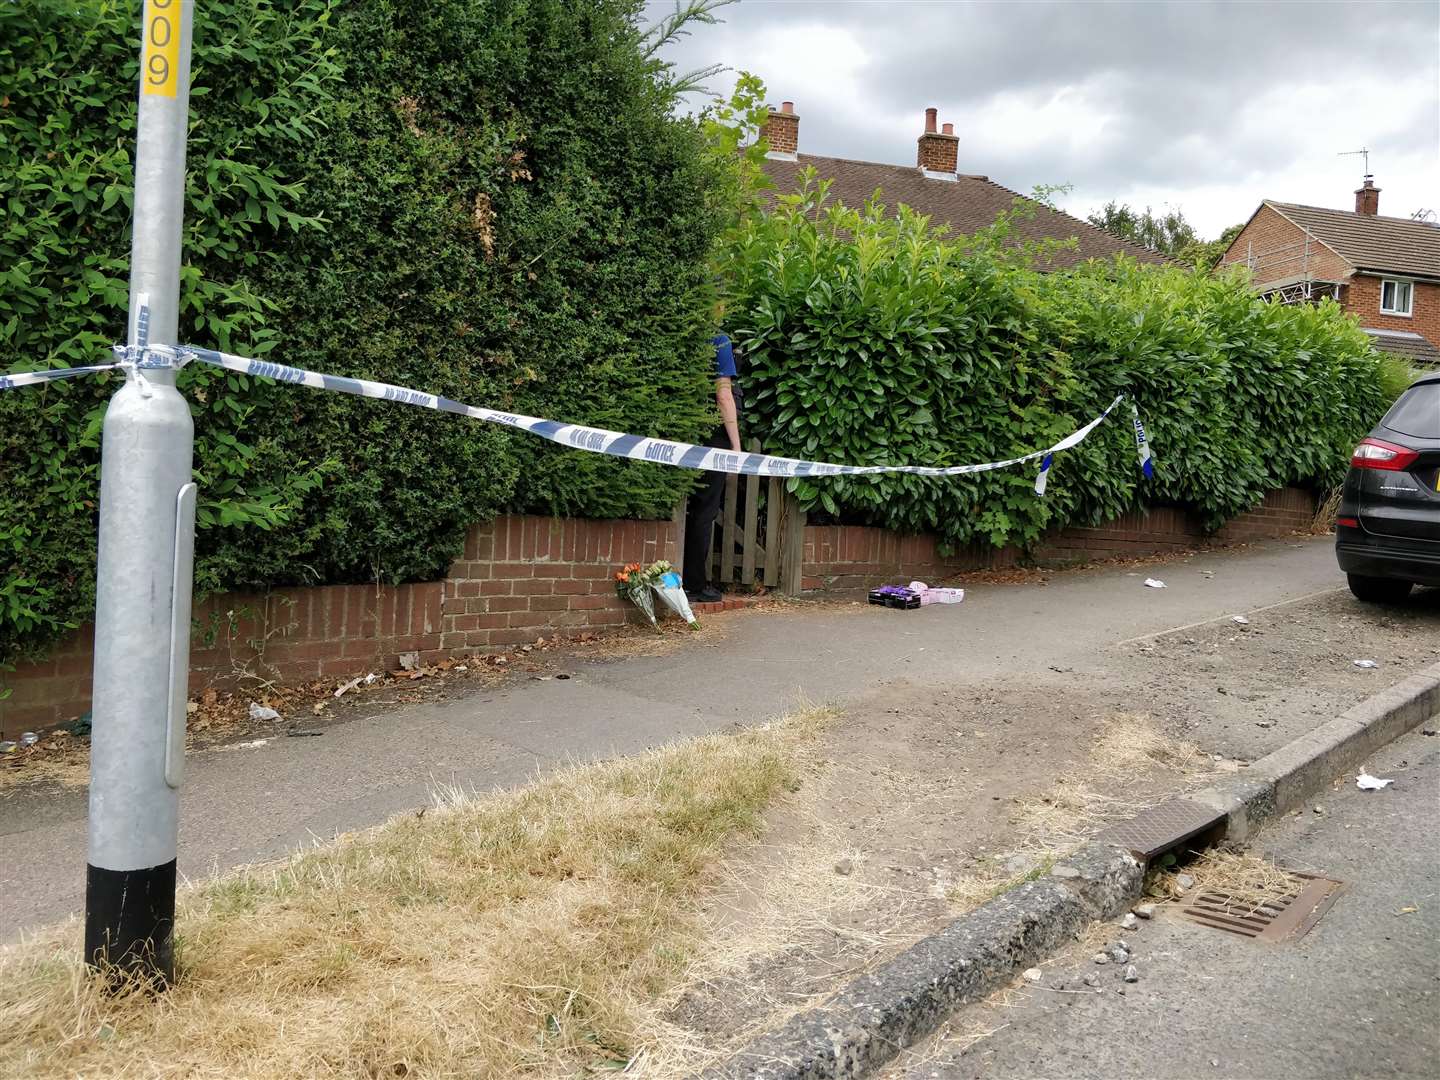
159	71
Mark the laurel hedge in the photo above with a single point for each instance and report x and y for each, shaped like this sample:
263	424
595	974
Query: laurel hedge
870	338
489	199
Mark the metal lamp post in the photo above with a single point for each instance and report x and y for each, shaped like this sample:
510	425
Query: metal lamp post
146	548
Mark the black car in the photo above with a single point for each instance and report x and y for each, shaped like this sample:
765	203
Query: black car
1387	531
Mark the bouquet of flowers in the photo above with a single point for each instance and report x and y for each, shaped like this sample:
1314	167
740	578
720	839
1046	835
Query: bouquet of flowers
637	583
666	582
632	584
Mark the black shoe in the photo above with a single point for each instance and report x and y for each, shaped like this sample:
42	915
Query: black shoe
706	595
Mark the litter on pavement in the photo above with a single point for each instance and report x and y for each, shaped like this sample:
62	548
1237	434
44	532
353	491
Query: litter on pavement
1365	663
930	596
1240	619
262	712
1154	583
1366	782
916	595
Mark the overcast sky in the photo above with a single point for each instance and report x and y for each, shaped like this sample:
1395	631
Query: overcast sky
1205	106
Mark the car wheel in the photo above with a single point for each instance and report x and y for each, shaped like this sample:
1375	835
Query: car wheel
1378	590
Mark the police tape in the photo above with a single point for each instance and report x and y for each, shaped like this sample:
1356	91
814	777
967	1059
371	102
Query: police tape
32	378
616	443
576	436
1142	444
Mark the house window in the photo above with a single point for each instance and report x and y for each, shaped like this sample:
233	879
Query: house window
1395	297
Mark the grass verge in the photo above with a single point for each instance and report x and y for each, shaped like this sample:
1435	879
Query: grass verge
521	933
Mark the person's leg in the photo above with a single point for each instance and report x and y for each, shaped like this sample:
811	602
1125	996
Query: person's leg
701	510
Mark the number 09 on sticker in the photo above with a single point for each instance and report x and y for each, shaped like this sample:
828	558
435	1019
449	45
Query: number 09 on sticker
159	72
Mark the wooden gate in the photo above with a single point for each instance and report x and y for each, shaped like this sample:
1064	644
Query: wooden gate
759	534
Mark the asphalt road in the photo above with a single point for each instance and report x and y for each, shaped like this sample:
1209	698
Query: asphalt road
242	805
1357	997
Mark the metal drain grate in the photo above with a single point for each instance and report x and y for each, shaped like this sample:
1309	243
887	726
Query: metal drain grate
1287	917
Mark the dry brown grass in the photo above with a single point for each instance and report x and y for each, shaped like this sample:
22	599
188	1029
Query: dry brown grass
527	933
1250	882
1129	742
1324	520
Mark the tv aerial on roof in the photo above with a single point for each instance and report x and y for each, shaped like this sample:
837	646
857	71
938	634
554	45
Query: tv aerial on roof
1363	152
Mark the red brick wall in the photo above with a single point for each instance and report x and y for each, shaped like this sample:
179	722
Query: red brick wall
1362	299
852	556
1161	530
1268	232
527	577
857	556
520	578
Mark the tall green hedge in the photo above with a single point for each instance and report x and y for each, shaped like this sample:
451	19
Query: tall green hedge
489	199
870	339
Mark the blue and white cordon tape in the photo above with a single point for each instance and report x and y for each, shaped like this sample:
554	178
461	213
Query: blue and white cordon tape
31	378
576	436
1142	444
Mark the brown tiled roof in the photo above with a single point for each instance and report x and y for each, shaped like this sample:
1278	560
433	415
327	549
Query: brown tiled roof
967	204
1412	347
1371	242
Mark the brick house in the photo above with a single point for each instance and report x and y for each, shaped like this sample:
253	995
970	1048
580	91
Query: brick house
1383	270
934	186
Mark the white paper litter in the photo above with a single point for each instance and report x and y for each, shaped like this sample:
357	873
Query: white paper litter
1240	619
1154	583
1365	663
344	688
1366	782
251	745
262	712
370	678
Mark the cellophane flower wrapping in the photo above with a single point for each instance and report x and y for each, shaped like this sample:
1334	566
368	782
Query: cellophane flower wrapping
632	582
667	584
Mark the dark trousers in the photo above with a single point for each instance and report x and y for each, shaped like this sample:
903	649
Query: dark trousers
701	510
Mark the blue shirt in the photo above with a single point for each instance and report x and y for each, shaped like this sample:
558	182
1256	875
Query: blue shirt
724	357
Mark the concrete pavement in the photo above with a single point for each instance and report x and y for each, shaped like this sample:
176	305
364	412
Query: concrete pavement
241	805
1358	996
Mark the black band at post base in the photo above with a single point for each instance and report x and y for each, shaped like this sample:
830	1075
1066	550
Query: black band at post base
130	922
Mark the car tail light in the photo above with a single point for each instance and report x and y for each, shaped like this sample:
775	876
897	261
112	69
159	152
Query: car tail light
1379	454
1349	523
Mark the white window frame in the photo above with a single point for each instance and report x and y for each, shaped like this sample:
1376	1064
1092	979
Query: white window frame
1409	310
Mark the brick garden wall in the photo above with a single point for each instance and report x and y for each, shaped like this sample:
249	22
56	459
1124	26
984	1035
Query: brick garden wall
860	557
527	577
852	556
520	578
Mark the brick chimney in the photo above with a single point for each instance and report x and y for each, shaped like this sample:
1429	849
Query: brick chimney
782	130
937	153
1367	198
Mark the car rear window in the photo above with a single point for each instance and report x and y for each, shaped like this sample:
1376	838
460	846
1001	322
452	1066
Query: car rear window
1417	412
